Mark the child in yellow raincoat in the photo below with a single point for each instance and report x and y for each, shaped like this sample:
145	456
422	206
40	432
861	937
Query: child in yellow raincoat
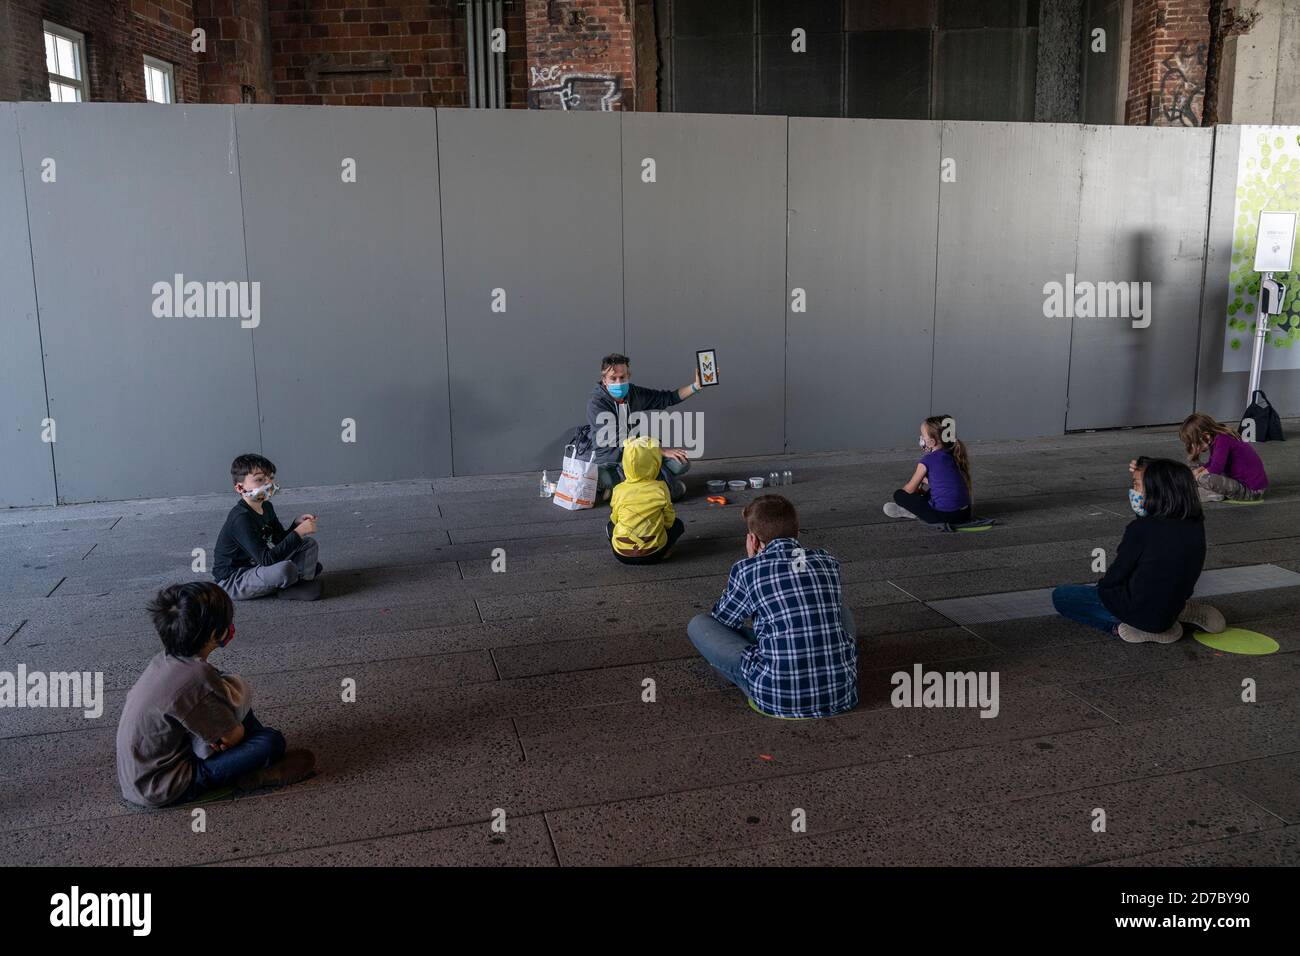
642	525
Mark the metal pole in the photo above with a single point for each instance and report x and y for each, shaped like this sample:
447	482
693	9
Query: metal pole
1261	335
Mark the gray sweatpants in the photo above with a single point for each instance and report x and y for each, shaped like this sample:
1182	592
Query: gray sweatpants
261	580
607	476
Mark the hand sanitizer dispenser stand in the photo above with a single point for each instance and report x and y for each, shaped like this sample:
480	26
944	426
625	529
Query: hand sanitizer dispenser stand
1274	245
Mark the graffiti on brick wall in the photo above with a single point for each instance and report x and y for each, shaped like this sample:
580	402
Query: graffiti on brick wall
553	88
1182	86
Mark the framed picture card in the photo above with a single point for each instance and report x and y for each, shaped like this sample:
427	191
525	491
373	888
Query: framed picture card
1275	242
706	362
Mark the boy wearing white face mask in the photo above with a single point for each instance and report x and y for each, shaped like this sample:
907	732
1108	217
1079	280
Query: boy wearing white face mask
255	556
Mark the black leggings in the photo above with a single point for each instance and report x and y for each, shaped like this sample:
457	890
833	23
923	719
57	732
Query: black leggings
919	504
654	557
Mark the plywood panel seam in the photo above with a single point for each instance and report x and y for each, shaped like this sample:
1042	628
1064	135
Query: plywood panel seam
36	294
248	275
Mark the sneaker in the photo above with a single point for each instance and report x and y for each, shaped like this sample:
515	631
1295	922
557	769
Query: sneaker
1207	495
319	568
302	591
897	511
603	495
295	765
678	490
1203	616
1132	635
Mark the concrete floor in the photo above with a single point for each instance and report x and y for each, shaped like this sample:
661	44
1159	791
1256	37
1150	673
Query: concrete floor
521	691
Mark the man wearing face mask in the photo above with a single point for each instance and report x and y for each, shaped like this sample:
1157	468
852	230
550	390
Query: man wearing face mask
615	399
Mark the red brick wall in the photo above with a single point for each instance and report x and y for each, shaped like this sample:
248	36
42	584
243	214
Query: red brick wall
407	54
290	51
1166	80
118	34
236	66
581	54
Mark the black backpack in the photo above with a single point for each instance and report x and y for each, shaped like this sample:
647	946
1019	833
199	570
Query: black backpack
1268	424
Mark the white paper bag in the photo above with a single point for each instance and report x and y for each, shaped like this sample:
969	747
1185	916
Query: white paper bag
576	488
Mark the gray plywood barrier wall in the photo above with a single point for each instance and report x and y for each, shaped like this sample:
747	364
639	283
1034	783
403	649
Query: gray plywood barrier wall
863	196
26	461
703	259
1142	219
454	300
531	215
343	233
144	405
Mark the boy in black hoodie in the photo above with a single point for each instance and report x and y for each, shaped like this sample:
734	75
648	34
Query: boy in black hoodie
1145	594
255	556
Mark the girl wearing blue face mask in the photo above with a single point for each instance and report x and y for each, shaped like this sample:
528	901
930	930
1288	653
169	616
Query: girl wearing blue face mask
1145	595
612	402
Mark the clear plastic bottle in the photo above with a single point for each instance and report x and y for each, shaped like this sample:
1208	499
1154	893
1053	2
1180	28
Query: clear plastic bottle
546	485
773	479
787	478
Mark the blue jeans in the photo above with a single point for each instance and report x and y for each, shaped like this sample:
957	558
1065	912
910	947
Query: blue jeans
1082	603
724	647
260	748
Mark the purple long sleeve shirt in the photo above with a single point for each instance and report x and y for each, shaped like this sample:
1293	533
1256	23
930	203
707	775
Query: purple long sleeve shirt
1237	459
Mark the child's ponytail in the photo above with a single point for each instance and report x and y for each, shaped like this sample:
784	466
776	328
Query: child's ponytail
936	425
962	458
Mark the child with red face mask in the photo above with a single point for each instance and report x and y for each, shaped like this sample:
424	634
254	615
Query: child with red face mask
186	728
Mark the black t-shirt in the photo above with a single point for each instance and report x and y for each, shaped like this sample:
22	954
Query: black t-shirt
1154	572
248	539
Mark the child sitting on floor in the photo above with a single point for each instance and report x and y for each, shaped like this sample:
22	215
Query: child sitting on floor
940	490
643	527
800	657
1145	594
1234	470
186	728
255	556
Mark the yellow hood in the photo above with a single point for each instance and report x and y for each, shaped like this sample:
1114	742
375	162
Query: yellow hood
642	459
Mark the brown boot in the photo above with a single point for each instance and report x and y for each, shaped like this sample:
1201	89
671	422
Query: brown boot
295	765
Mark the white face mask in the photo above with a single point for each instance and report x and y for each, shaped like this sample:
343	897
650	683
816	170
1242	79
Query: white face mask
263	492
922	442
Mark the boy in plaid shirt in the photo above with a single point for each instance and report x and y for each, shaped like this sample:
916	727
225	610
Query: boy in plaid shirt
800	657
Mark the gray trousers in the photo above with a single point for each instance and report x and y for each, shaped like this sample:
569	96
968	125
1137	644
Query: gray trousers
262	580
607	476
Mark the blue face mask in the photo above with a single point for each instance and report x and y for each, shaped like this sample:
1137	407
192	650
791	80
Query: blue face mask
1137	502
619	390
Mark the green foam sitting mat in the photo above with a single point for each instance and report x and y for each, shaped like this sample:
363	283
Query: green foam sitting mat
754	707
1235	640
1234	501
977	524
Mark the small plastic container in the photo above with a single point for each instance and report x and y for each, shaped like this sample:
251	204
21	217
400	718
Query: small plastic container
756	482
717	486
787	478
773	479
738	484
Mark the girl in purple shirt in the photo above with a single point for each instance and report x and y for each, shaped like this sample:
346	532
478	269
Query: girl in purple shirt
1233	471
939	491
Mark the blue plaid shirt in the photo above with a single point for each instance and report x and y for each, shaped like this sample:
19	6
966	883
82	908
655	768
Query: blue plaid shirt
804	664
